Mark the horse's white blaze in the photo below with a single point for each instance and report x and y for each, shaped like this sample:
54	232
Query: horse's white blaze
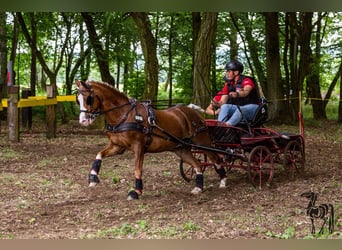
83	120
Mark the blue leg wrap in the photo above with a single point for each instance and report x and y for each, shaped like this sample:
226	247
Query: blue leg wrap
199	181
138	184
96	165
222	172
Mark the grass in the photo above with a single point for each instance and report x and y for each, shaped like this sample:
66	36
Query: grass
191	226
331	111
288	233
8	153
143	229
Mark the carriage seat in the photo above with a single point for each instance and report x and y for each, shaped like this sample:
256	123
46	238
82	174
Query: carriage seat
259	118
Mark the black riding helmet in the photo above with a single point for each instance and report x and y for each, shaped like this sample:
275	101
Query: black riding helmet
234	65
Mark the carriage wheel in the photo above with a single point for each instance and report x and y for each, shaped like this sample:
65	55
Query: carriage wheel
260	166
294	160
187	171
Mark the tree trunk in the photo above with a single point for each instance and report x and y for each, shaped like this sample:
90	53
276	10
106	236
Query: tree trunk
149	47
33	65
196	25
52	74
14	41
169	76
274	91
312	66
339	118
202	58
253	51
332	85
233	38
101	55
3	56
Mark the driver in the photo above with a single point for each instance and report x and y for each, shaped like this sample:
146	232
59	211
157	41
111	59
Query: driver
242	92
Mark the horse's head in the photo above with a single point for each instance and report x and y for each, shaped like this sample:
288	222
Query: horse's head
87	102
308	195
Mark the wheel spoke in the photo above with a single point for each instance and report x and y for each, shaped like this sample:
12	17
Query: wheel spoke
260	166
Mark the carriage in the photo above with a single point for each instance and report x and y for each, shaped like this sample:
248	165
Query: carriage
138	127
254	148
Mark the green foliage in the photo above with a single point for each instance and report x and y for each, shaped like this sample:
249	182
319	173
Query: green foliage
289	233
135	85
126	229
8	153
190	226
119	39
331	110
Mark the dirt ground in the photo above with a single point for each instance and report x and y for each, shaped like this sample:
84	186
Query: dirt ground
44	192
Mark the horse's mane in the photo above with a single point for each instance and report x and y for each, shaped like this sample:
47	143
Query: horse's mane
107	85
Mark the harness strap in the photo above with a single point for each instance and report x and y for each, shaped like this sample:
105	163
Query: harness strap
136	126
126	127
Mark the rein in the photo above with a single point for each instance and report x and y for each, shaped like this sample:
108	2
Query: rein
98	113
137	125
90	101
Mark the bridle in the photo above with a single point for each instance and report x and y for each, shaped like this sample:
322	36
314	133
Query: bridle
92	114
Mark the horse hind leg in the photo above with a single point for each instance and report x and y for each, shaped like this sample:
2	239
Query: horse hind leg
323	224
187	156
331	219
219	167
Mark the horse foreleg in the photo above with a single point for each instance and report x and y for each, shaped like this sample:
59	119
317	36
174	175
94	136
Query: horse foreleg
139	161
312	226
110	150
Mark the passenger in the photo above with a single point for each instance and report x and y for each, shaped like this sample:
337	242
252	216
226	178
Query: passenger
214	106
242	92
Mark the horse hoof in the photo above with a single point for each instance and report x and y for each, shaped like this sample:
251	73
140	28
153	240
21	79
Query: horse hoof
92	184
93	180
196	190
132	195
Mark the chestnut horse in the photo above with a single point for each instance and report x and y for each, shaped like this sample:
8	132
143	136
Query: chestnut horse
135	126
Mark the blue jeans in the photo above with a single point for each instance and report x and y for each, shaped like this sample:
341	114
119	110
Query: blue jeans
230	113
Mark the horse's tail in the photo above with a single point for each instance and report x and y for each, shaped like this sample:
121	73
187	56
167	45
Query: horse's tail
331	218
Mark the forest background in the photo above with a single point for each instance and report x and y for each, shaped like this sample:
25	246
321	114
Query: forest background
179	57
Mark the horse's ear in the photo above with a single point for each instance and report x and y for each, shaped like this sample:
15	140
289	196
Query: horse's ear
78	83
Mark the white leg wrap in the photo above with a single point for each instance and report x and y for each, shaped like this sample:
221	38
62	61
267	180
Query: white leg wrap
92	184
196	190
223	183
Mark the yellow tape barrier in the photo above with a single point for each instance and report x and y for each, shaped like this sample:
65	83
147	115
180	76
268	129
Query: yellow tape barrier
33	101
